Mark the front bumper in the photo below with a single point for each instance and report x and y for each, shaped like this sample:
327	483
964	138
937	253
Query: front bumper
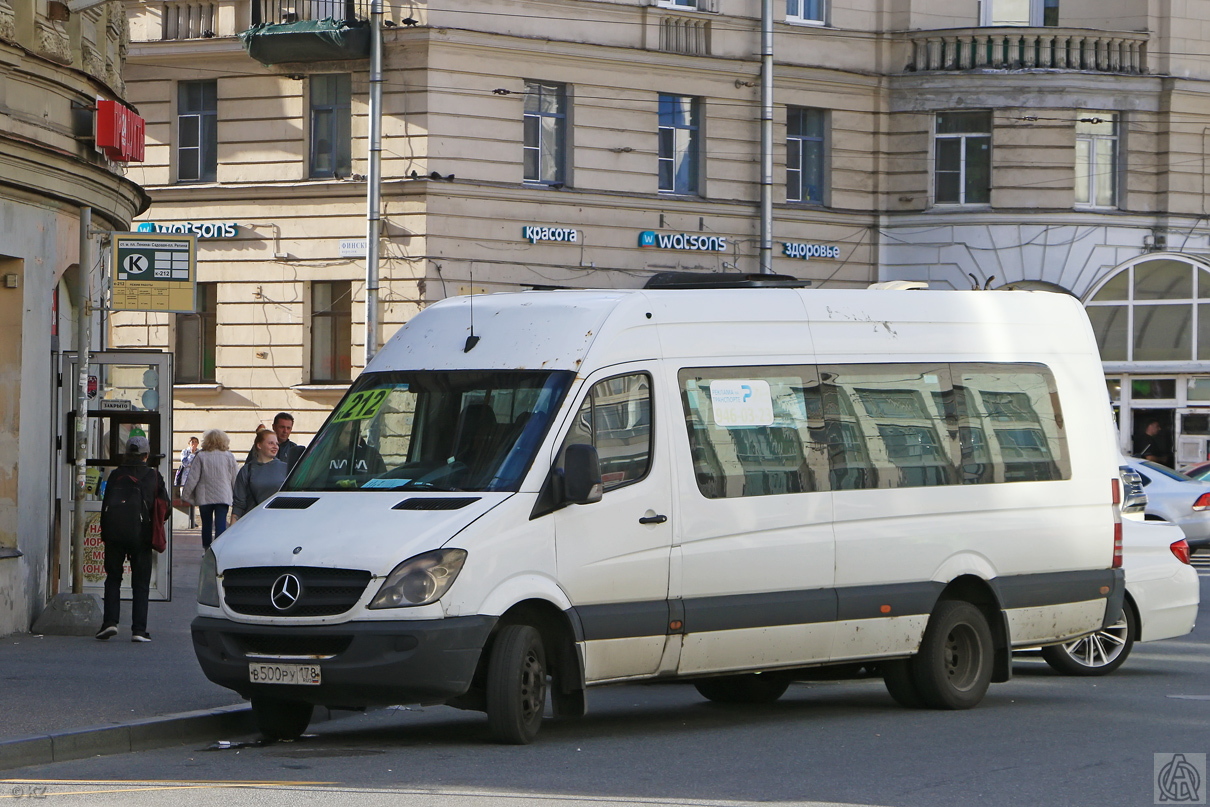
362	663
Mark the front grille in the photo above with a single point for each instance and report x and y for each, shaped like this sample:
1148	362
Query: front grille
322	592
252	645
435	503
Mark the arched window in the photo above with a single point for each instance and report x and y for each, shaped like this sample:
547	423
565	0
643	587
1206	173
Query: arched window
1156	308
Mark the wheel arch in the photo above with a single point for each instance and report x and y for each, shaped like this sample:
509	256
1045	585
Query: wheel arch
558	634
979	593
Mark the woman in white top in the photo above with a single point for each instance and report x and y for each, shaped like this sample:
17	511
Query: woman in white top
210	482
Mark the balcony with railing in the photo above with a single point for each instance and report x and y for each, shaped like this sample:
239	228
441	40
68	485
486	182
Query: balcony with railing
1017	48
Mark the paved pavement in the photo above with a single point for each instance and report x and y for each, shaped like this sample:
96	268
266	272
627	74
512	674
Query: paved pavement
71	696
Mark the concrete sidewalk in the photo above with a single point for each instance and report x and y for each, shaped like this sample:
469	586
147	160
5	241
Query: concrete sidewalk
64	697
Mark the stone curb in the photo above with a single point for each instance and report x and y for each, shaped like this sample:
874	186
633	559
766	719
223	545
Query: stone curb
138	735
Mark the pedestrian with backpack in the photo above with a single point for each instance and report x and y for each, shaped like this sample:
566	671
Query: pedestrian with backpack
210	482
135	497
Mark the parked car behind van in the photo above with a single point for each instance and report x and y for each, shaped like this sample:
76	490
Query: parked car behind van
1162	597
727	486
1174	497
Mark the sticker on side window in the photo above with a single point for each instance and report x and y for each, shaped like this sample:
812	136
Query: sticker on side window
737	403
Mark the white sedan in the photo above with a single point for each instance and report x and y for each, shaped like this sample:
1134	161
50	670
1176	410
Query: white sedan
1174	497
1162	596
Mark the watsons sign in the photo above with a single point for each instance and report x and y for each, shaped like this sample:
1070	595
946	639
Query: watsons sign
535	233
808	251
703	243
202	229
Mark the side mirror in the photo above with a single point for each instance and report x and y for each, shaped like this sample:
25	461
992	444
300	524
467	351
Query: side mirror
581	474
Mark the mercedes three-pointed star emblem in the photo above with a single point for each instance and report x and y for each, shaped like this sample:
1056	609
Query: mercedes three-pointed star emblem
285	592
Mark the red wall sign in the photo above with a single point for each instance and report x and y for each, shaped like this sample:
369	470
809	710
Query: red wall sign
120	132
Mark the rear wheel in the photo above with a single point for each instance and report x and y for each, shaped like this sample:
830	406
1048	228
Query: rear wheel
1098	654
954	666
748	688
280	719
516	685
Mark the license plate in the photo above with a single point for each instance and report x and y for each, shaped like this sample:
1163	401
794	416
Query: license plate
296	674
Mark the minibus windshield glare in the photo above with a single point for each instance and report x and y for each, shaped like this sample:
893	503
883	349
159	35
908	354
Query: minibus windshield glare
433	430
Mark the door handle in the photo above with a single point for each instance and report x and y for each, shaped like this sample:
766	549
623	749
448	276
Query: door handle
653	519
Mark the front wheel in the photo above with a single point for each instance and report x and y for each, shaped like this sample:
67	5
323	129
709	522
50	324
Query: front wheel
747	688
1098	654
516	685
954	666
280	719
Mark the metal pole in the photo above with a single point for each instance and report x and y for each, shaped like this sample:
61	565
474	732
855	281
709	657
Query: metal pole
374	180
83	338
766	137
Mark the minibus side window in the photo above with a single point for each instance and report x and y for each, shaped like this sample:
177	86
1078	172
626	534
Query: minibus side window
1014	408
755	431
615	418
899	420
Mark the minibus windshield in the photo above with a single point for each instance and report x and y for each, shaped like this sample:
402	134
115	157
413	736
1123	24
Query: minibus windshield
433	430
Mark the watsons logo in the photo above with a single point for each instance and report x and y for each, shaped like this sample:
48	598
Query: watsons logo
535	233
704	243
808	251
202	229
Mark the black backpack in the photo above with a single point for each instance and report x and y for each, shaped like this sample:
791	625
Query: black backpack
125	510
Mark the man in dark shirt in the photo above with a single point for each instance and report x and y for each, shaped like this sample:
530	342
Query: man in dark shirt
1154	444
288	451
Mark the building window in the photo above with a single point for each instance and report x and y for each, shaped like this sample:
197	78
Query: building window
1097	161
197	131
805	11
679	129
963	149
1153	310
805	154
1019	12
331	124
197	339
545	132
679	3
331	331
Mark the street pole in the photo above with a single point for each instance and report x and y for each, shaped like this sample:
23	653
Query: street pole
83	338
766	137
374	181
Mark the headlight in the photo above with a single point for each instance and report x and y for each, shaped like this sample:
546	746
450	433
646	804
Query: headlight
207	580
420	580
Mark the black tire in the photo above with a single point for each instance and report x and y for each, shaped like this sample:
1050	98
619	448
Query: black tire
900	681
747	688
1098	654
280	719
516	685
954	666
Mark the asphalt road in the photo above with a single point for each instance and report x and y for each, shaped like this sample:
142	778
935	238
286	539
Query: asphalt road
1040	739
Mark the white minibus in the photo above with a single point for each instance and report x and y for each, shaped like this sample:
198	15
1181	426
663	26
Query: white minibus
528	494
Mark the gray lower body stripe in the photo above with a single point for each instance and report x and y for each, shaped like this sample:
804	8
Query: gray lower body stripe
812	606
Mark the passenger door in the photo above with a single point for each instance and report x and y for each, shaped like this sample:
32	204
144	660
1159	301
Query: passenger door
755	543
612	555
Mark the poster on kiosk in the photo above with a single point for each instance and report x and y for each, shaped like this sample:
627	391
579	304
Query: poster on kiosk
129	395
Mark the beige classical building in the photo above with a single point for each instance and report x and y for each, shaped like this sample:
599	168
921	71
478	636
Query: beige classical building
1049	143
54	66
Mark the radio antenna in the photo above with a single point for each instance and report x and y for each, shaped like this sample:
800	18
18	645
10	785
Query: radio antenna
471	340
